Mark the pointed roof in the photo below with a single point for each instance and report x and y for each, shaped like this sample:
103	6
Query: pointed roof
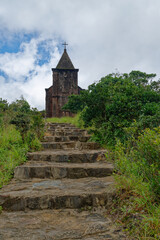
65	62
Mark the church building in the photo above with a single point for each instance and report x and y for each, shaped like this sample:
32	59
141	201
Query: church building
65	83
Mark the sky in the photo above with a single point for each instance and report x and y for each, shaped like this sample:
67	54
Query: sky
103	36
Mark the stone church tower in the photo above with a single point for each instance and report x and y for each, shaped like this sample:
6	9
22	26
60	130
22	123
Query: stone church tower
65	83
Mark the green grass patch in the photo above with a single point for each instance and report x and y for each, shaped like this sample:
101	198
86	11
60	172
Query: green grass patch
12	152
76	121
137	202
135	208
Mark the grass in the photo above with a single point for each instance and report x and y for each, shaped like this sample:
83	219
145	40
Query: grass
134	207
137	204
12	153
72	120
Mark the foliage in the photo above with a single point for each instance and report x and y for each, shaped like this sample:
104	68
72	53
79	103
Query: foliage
20	105
3	108
115	102
76	103
26	119
137	163
21	129
3	105
32	141
22	123
12	152
134	207
142	159
37	123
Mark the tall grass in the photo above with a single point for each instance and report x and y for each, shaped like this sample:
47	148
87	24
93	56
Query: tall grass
12	152
138	183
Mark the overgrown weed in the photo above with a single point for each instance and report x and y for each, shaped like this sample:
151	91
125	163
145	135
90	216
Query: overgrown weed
138	184
12	152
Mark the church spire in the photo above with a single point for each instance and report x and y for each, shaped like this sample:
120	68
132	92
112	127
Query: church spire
65	61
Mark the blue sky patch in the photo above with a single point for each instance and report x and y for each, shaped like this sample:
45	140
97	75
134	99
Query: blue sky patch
3	74
11	43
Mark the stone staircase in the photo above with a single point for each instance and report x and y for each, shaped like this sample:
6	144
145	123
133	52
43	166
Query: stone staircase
70	173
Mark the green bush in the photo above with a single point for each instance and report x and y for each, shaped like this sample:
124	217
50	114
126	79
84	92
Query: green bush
137	164
142	159
37	123
32	141
21	129
115	102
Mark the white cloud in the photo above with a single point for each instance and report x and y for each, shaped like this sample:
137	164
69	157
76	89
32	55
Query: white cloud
19	64
25	76
102	35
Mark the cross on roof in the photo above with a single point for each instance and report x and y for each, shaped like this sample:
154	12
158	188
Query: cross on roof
65	44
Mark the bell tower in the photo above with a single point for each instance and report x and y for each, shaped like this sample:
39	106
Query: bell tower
65	83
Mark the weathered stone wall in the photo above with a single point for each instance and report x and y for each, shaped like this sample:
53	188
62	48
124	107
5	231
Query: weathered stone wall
65	83
49	109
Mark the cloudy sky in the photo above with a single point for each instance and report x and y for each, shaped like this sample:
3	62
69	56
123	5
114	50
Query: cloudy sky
104	36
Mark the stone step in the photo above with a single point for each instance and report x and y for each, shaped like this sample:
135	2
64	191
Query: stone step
70	145
66	138
72	156
60	224
59	124
62	128
62	170
57	194
67	131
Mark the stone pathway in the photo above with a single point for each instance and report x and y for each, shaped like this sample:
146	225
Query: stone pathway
62	192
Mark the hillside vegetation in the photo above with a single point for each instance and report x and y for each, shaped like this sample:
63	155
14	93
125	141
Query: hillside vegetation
123	113
20	130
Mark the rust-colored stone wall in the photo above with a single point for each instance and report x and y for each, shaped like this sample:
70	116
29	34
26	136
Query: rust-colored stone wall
49	109
65	83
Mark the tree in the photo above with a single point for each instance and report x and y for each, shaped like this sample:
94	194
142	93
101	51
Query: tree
3	105
116	101
20	105
3	109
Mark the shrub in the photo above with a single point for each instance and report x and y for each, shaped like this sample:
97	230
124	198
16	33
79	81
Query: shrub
115	102
141	159
20	131
32	141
